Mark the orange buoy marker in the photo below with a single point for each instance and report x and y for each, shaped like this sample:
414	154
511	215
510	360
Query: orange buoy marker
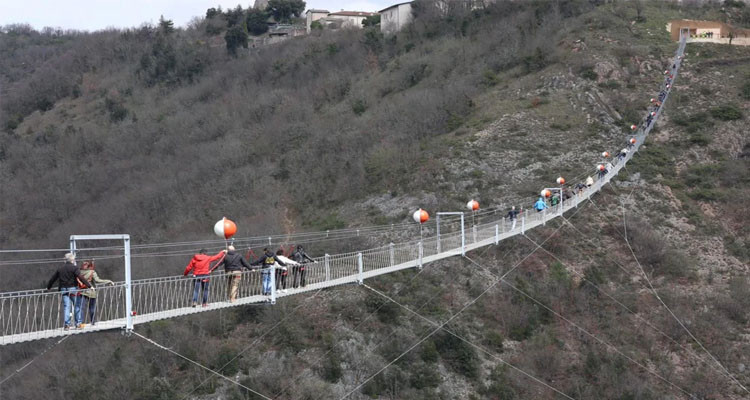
546	193
605	154
225	228
472	205
632	140
633	127
561	181
420	216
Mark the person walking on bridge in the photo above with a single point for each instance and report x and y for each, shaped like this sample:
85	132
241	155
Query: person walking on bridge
513	216
302	258
267	260
540	205
69	276
89	296
200	266
233	263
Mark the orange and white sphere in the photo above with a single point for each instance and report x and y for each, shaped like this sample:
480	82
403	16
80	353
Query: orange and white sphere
225	228
420	216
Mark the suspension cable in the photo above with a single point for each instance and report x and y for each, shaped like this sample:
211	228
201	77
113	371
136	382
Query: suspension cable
200	365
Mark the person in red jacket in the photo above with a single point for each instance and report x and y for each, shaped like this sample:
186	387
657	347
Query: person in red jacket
201	267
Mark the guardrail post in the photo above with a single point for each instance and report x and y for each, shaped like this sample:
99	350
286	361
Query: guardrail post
497	234
360	277
421	254
438	233
463	236
273	284
269	240
392	253
328	267
523	222
474	233
128	288
544	214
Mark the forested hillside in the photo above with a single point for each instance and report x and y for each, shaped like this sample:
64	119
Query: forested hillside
158	132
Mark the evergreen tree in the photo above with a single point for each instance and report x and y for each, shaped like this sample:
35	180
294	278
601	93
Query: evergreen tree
235	37
284	10
166	26
256	21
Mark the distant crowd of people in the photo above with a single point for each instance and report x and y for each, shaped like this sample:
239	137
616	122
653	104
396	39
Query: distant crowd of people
564	193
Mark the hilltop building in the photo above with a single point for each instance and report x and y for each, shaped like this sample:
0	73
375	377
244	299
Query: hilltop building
313	15
395	17
709	31
346	19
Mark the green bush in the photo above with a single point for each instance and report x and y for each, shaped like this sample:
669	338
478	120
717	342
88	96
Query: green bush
424	376
745	90
460	356
610	84
359	107
587	72
694	122
331	368
726	112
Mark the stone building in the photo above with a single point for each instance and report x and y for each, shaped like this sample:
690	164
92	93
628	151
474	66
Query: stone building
313	15
395	17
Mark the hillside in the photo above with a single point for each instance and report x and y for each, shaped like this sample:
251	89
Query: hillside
101	134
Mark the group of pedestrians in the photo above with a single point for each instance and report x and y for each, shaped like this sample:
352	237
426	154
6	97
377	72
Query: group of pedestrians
603	169
78	289
233	262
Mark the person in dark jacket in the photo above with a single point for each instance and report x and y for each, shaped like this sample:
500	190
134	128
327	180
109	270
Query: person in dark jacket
233	264
267	260
200	265
69	276
513	216
302	258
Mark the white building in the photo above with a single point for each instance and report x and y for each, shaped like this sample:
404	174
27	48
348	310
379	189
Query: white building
347	19
313	15
395	17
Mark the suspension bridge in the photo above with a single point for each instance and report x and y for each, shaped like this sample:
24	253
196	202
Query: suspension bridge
36	314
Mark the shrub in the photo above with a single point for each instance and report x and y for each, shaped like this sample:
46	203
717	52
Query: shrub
694	122
726	112
610	84
736	303
745	90
331	368
424	376
460	356
359	107
587	72
490	78
117	111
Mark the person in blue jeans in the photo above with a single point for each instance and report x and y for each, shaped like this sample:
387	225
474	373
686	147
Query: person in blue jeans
69	277
267	260
200	266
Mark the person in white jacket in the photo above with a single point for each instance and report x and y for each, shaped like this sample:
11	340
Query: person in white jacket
282	271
